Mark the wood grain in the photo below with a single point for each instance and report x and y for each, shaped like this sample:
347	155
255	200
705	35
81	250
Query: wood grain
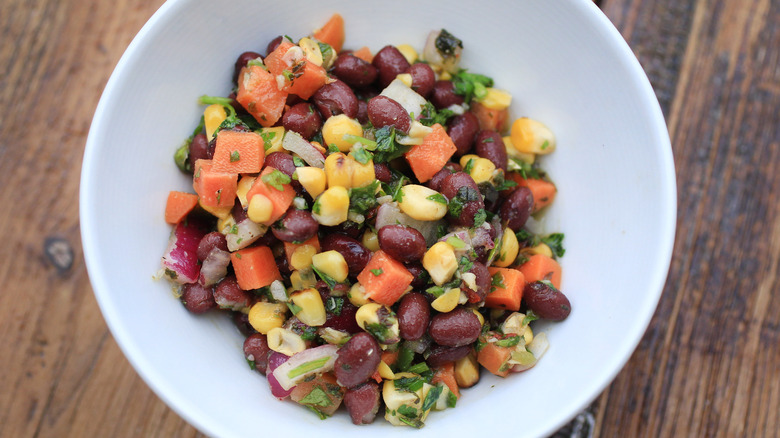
709	364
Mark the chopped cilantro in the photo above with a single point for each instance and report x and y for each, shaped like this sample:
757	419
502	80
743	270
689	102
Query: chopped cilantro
317	397
299	162
251	364
452	399
377	272
529	317
268	137
527	171
471	85
294	308
480	217
319	413
418	368
555	242
430	116
405	357
387	148
464	196
431	398
496	281
363	199
234	156
276	178
447	45
411	384
469	166
407	411
438	197
361	155
509	341
334	305
325	277
332	148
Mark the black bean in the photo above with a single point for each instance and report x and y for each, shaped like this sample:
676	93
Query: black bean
517	208
357	360
382	173
402	243
443	95
199	149
440	354
490	145
390	62
336	98
546	301
354	71
355	254
362	402
210	241
281	161
228	295
423	78
384	111
242	61
413	316
197	299
273	44
456	328
295	226
303	119
256	351
462	130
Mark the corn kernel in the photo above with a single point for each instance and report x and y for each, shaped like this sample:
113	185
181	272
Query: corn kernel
447	301
312	309
339	169
422	203
409	53
496	99
301	280
384	371
482	170
370	240
367	314
406	78
332	264
312	179
272	139
264	316
357	295
467	371
479	316
464	160
311	50
440	262
213	116
445	76
512	151
541	248
528	335
332	206
509	249
336	127
362	174
260	209
285	341
244	184
531	136
219	212
224	225
301	257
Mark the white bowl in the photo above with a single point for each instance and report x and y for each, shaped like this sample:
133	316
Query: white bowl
564	63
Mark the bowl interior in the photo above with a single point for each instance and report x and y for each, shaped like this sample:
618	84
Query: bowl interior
564	64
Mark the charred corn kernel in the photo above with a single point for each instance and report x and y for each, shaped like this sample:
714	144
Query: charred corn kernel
260	208
264	316
528	335
225	225
219	212
319	147
479	316
301	280
285	341
496	99
464	160
482	170
467	371
370	240
440	262
312	309
213	116
509	249
336	127
357	295
339	169
384	371
380	321
447	301
511	151
332	264
311	50
409	53
312	179
541	248
422	203
406	78
362	174
531	136
272	139
301	257
367	314
333	336
244	184
332	206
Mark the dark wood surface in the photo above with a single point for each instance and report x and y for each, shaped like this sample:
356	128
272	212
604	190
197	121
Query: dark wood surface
709	364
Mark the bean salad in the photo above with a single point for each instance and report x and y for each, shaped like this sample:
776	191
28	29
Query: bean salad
369	220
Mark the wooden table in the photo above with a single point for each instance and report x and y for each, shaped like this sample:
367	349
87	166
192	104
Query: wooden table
709	364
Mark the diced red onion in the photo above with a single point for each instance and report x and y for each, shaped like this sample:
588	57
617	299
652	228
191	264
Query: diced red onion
214	268
181	257
274	361
246	233
294	142
320	359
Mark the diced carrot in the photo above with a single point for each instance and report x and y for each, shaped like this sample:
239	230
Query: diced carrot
301	77
280	199
384	279
255	267
510	296
179	205
446	374
332	32
490	119
495	359
326	386
290	247
215	189
390	357
260	95
540	267
238	152
364	53
543	191
429	157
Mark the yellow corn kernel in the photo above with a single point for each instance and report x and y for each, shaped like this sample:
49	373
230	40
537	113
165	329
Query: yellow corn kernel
464	160
285	341
319	147
332	264
406	78
509	249
264	316
301	257
384	371
272	139
336	127
440	262
219	212
447	301
312	179
367	314
394	398
311	50
467	371
301	280
511	151
482	170
422	203
528	335
541	248
362	174
312	312
357	295
479	316
409	53
213	116
445	76
244	184
260	208
224	225
496	99
332	206
531	136
339	169
370	240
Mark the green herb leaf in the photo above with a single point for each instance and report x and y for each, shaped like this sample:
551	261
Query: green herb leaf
234	156
405	357
555	242
299	162
361	155
334	305
480	217
438	197
447	45
469	166
317	397
376	272
418	368
530	316
509	341
431	398
319	413
463	197
307	367
294	308
387	148
275	179
470	85
325	277
496	281
333	149
452	399
268	137
527	171
363	199
407	411
251	364
456	242
430	116
411	384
